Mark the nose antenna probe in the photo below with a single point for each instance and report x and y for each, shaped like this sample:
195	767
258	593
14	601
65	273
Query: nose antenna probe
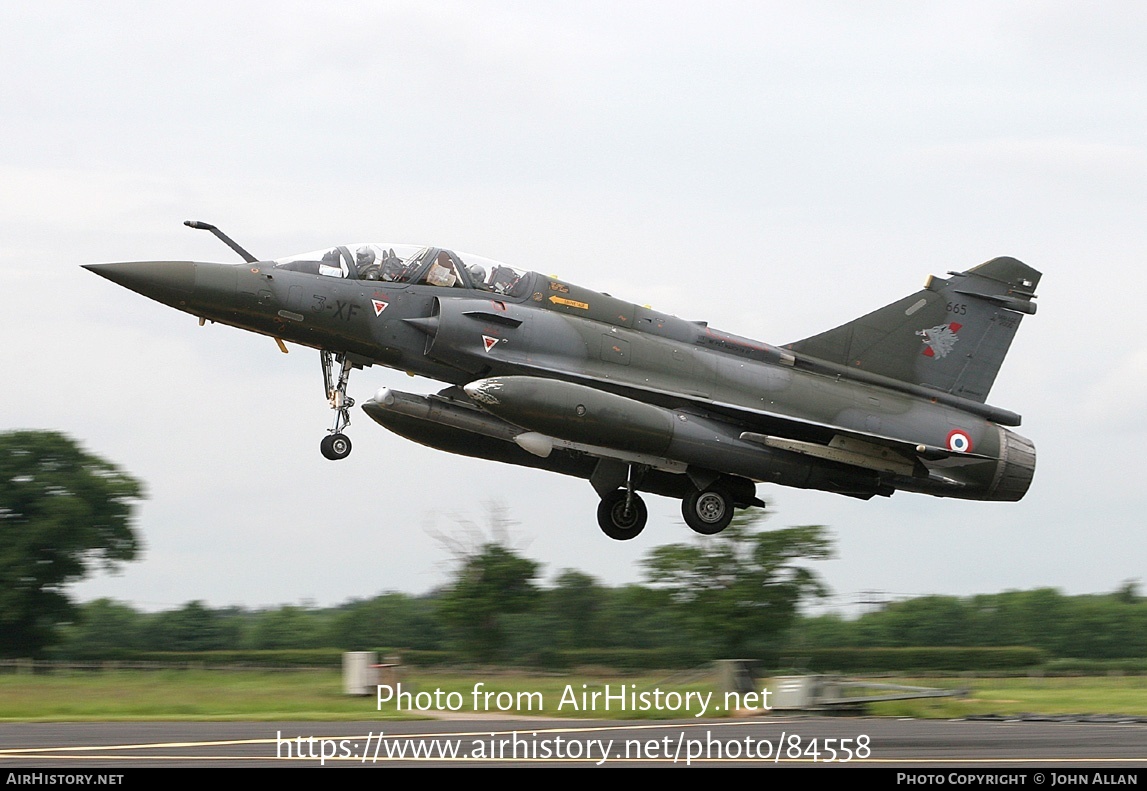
227	240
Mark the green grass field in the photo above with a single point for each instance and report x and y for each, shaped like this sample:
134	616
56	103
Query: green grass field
317	695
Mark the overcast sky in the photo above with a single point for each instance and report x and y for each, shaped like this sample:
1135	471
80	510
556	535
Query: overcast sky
775	169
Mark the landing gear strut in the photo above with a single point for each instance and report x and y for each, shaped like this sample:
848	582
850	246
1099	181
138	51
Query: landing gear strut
622	514
336	445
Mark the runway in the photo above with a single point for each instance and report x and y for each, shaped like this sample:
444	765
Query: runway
772	741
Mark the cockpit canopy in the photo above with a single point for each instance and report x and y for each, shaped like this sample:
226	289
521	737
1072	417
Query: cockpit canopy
404	263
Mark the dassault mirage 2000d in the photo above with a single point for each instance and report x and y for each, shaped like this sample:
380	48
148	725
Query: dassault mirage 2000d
546	374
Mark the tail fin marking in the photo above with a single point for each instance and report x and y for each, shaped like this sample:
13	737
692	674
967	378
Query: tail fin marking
952	336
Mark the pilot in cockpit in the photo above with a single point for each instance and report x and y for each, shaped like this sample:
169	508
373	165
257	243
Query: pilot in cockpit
477	275
367	265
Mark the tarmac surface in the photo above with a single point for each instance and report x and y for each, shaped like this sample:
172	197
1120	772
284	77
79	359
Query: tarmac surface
762	741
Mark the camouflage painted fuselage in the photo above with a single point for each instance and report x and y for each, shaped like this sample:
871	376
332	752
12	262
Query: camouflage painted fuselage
551	375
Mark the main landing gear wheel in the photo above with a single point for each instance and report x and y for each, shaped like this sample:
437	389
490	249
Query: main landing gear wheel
335	446
708	512
621	515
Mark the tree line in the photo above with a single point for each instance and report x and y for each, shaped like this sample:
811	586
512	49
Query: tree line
578	613
1092	626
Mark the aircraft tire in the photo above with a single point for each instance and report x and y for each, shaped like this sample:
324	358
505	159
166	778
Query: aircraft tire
613	520
335	446
708	512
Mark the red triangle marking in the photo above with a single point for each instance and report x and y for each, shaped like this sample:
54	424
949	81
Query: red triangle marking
490	342
379	306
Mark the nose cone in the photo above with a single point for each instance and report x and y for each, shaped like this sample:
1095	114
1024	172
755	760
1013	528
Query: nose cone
166	281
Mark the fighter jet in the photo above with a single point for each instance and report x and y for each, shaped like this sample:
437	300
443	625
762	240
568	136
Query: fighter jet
547	374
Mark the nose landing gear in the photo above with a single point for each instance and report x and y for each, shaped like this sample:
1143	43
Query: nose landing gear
336	445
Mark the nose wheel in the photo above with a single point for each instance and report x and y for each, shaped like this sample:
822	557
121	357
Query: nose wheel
336	445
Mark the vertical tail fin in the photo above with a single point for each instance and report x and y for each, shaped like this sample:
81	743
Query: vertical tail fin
951	336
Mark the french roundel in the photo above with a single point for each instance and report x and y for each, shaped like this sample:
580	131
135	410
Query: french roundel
959	441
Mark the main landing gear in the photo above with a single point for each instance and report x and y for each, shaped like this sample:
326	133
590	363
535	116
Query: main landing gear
622	514
708	511
336	445
708	499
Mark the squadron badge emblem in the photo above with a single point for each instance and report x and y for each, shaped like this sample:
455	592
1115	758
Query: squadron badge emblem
940	339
